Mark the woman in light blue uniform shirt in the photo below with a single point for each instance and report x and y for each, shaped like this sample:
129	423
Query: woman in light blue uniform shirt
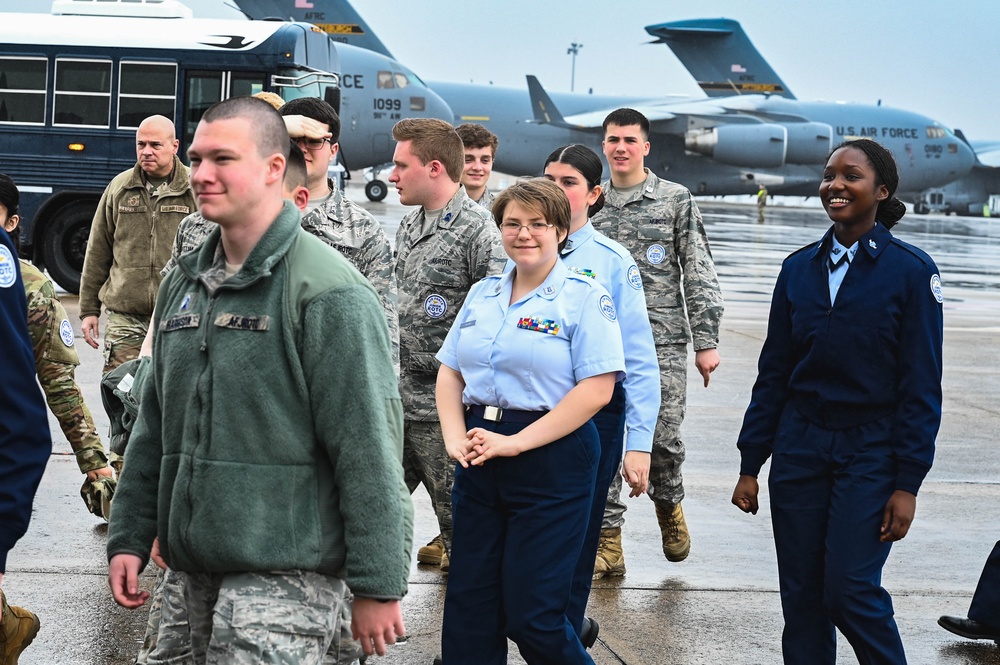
577	169
531	357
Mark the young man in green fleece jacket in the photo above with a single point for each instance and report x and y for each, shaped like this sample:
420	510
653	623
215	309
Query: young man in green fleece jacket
270	433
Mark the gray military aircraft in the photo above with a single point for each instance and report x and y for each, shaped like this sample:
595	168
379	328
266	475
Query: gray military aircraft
723	60
376	91
720	145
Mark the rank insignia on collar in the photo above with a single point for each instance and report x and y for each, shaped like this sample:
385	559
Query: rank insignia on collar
871	243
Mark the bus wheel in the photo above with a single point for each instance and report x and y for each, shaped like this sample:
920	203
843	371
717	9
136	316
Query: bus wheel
376	190
65	244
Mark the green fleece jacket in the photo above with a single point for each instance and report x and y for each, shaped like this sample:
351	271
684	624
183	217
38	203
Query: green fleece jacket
270	431
130	242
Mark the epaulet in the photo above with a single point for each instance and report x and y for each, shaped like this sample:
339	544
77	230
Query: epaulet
580	277
812	246
915	251
614	246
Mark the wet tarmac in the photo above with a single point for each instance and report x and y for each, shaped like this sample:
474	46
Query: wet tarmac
720	606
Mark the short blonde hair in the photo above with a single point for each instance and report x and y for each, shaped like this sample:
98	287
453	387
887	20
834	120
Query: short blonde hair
271	98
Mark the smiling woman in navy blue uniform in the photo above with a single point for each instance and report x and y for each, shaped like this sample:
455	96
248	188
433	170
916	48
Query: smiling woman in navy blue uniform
532	356
847	404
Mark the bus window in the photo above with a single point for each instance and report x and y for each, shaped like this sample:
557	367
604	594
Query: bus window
83	92
385	80
22	90
401	81
145	89
205	88
202	90
245	84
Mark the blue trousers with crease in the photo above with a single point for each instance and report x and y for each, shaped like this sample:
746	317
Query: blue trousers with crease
828	490
518	532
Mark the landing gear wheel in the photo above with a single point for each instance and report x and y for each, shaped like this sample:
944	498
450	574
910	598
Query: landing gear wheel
65	243
376	190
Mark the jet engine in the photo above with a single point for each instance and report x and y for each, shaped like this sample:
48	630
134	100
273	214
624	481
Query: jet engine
808	142
757	146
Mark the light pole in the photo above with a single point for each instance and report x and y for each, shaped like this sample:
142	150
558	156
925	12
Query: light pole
573	49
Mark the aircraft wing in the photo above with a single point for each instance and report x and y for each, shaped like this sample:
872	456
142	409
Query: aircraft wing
987	152
738	130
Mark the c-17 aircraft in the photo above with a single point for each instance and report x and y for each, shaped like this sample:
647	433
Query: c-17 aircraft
376	91
723	60
720	145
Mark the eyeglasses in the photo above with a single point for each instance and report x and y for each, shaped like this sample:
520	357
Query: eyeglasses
534	228
310	144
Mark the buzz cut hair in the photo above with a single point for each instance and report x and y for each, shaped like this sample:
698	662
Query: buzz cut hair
625	117
477	136
267	128
432	139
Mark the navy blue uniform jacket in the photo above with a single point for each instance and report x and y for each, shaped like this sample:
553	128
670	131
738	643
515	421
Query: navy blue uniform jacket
874	354
25	443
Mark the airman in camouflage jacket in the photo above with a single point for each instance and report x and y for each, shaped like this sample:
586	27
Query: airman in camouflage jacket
662	228
435	267
56	359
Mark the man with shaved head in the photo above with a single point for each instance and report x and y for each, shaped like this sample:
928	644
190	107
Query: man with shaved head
130	241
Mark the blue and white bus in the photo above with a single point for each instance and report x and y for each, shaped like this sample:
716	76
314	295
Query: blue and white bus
74	88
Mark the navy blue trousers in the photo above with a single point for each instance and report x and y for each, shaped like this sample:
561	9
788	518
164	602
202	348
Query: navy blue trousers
518	532
985	606
828	490
610	423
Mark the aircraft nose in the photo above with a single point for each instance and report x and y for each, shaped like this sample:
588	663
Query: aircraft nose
964	159
438	108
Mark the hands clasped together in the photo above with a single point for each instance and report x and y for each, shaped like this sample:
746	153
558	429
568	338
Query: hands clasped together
481	445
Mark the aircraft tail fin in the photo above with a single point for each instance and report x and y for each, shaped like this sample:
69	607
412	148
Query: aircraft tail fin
542	105
720	56
335	17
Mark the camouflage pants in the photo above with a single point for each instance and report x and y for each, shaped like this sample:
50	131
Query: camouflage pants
666	484
123	338
168	633
426	461
244	618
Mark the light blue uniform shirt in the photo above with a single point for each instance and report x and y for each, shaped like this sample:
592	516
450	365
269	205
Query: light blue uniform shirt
529	354
840	261
592	254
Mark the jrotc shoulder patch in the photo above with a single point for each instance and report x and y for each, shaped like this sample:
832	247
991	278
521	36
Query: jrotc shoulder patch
936	288
655	254
435	306
8	269
634	278
66	332
608	308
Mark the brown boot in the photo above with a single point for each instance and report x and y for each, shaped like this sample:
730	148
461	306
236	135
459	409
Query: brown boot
17	629
433	552
673	531
610	557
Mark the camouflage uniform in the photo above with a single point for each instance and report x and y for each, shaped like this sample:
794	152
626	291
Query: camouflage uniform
436	264
661	226
277	617
486	200
340	223
53	340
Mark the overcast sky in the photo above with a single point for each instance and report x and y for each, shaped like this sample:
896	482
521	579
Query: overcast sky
937	58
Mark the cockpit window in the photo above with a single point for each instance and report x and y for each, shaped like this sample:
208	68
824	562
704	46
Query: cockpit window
936	132
401	81
385	80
